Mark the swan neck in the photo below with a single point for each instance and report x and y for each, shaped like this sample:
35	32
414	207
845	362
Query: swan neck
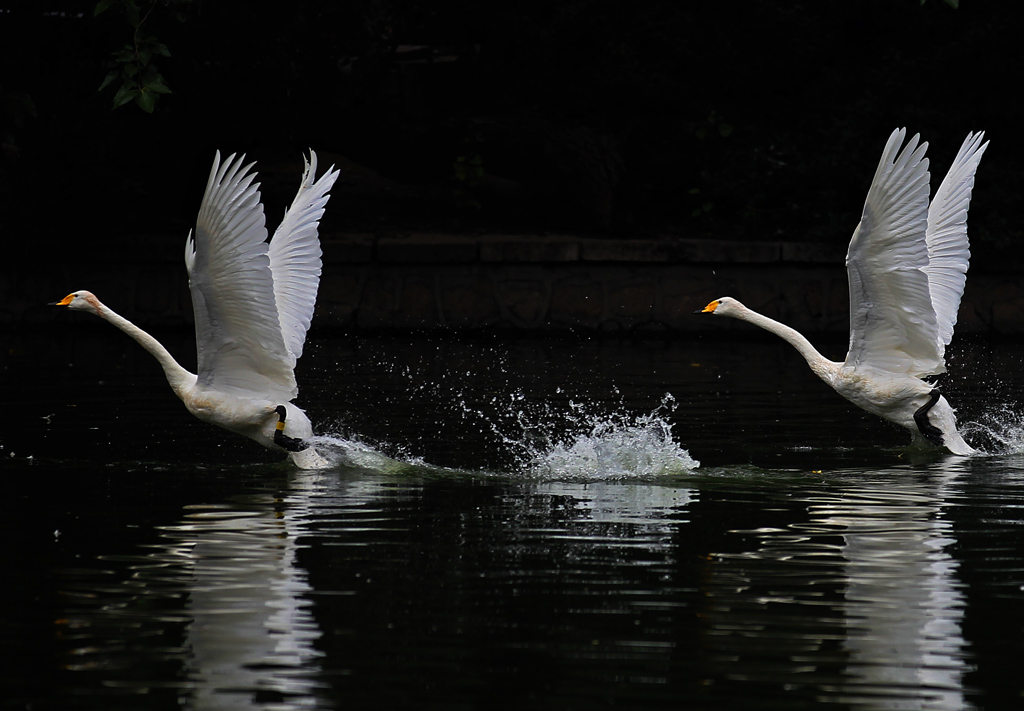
178	378
821	365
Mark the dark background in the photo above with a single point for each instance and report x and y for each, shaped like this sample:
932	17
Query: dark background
749	119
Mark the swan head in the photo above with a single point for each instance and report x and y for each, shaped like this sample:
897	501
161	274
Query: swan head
725	306
80	301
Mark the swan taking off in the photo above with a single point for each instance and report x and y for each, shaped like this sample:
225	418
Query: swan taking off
253	302
907	265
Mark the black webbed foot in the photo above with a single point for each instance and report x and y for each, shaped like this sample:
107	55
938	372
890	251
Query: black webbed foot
292	444
931	433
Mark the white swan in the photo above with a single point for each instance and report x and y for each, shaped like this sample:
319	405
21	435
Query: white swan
907	265
253	303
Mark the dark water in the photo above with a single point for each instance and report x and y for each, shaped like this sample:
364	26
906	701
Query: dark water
516	524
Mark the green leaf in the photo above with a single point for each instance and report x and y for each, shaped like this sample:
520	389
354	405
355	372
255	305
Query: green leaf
131	12
111	76
156	84
152	79
132	64
125	94
146	101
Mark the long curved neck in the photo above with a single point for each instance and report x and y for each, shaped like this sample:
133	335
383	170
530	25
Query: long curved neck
179	378
822	366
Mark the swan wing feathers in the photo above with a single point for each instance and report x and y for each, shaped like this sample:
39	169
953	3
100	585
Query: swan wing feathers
238	335
892	322
948	249
295	256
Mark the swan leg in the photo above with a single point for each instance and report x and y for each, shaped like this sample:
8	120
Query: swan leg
932	433
292	444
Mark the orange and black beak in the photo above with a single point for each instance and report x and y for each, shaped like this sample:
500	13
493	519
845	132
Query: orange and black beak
709	309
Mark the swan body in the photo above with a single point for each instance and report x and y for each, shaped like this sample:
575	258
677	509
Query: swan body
907	266
253	303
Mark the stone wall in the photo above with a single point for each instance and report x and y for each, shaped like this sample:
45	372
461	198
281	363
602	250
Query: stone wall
545	283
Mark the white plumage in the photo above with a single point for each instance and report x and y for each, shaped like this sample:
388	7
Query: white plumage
253	303
907	266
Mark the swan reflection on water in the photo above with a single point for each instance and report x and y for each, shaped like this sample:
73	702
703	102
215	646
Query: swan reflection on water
859	600
251	630
904	605
881	543
570	580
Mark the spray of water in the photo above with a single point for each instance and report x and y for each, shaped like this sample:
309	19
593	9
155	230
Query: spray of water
549	437
999	430
569	439
348	451
615	446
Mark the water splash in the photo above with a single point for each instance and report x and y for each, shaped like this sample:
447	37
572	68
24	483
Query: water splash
503	417
618	446
343	451
999	430
572	439
543	442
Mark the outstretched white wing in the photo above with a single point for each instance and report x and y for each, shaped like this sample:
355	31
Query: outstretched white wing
238	334
295	256
892	324
949	251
